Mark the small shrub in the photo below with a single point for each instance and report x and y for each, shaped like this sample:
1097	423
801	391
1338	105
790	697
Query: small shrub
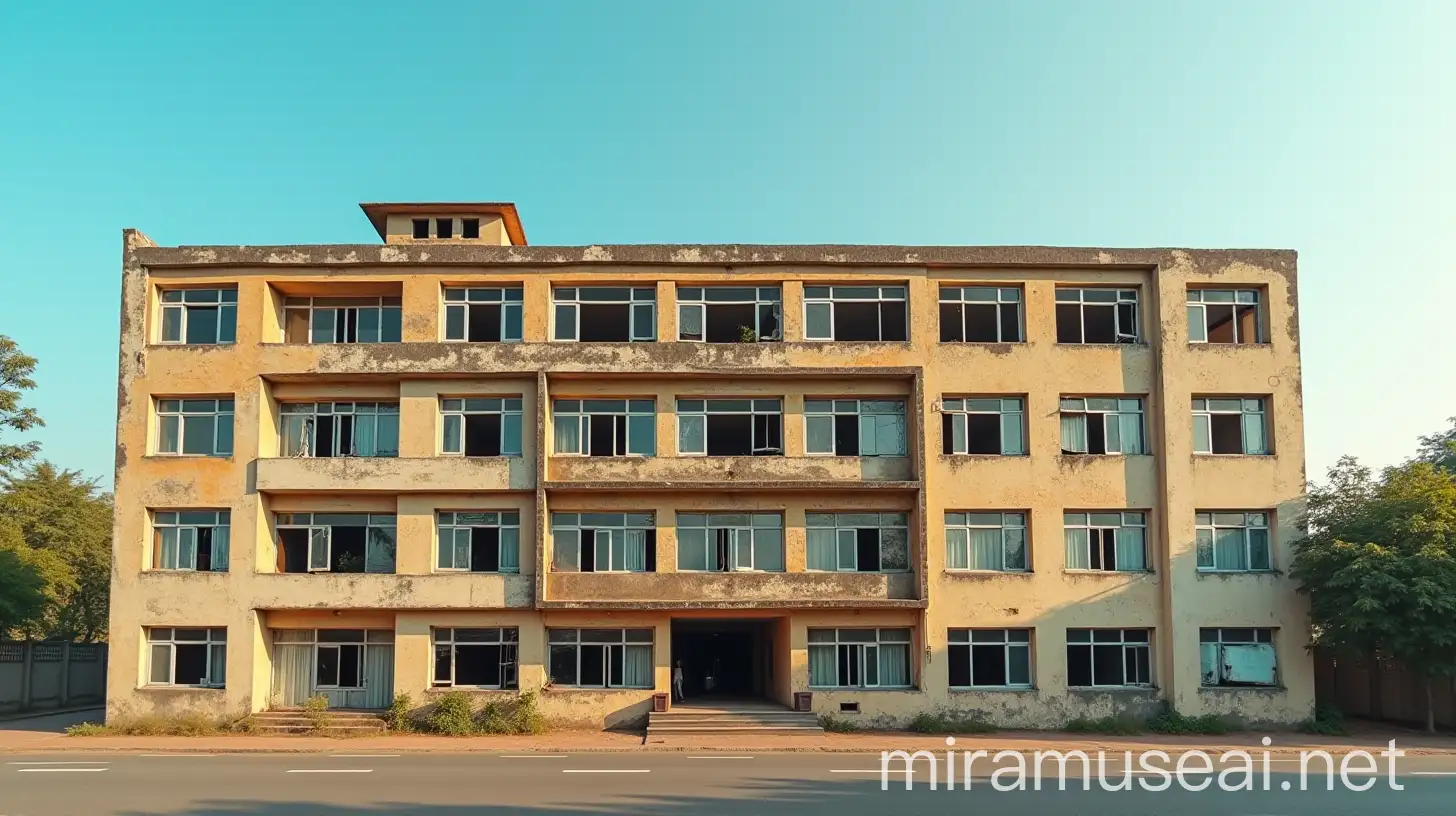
746	334
834	725
519	716
452	715
1327	721
179	725
245	724
87	729
1171	722
952	722
1122	726
193	725
527	718
400	716
316	709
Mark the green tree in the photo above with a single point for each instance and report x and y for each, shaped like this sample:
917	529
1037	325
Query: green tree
1379	566
23	596
1440	448
16	369
64	524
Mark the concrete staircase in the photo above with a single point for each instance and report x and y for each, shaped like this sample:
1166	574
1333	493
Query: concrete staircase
741	718
341	722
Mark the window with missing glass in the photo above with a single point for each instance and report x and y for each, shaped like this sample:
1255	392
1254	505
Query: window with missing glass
1097	315
479	541
1102	425
1233	541
989	658
856	313
604	542
729	314
994	542
1224	316
855	427
983	425
326	429
483	315
858	542
1114	541
336	542
183	656
980	314
605	314
194	427
726	542
206	317
191	540
1238	657
859	658
600	658
730	427
481	426
1230	425
1109	658
476	658
605	427
341	320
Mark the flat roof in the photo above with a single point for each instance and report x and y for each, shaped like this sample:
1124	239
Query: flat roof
379	211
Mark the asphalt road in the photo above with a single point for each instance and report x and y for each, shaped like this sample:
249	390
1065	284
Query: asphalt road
643	784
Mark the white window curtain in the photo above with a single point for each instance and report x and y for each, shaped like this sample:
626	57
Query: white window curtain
823	666
637	666
821	551
894	664
957	545
1077	553
510	549
1228	549
690	320
636	560
568	434
1131	553
1132	433
453	443
365	443
1074	433
187	548
820	433
986	552
169	548
220	549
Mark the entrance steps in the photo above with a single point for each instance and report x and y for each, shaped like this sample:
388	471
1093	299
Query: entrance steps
736	718
336	722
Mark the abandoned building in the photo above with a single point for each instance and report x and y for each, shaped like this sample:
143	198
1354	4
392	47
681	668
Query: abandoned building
1037	483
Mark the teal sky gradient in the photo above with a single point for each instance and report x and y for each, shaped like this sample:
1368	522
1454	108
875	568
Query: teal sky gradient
1327	127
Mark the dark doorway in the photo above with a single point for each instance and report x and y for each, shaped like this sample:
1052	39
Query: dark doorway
721	658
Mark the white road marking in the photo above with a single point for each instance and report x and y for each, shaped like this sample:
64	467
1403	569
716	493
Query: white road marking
719	757
534	756
1433	773
58	770
836	770
360	756
177	755
605	770
331	770
87	762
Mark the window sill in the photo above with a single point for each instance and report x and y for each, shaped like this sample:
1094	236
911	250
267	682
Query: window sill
1198	455
597	689
856	456
162	457
1241	689
970	573
858	689
955	456
993	689
1213	573
1137	344
192	345
1146	690
439	571
156	571
982	343
169	688
1080	457
1106	572
470	690
1206	344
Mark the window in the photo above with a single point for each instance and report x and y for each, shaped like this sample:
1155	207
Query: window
343	657
1233	542
857	542
1230	426
722	542
982	426
605	427
1238	657
490	315
855	313
190	540
1101	658
336	542
605	314
1110	542
195	427
480	541
721	314
604	542
324	429
470	228
200	316
730	427
1223	316
1097	315
852	427
187	657
859	658
341	320
980	314
985	541
601	658
1102	425
482	426
990	658
421	227
444	227
476	658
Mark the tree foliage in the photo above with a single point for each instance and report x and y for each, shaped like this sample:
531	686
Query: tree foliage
1440	448
16	370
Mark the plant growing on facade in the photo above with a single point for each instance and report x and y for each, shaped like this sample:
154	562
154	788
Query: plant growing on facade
746	334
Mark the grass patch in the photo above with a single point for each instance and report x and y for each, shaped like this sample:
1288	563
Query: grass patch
834	725
316	709
1327	721
952	722
1171	722
452	715
87	729
180	725
1121	726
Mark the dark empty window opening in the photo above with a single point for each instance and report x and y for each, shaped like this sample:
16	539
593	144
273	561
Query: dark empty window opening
341	320
482	426
988	425
470	228
336	542
849	708
1229	316
729	314
444	227
1230	425
980	314
990	658
856	313
492	315
605	427
1108	657
480	541
605	314
421	227
1086	316
730	427
483	658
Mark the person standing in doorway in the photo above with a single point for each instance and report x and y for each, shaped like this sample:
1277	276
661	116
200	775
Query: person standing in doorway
677	683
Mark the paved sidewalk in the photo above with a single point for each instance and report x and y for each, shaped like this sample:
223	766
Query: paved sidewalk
1413	743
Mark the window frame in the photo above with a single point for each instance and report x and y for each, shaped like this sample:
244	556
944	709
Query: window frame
966	637
965	520
339	408
222	407
828	295
566	522
1198	303
1208	521
556	638
960	407
454	410
384	305
569	297
510	299
180	302
758	406
505	520
713	521
1066	409
1128	520
507	639
860	648
576	408
770	296
163	520
837	407
1000	296
1206	412
1088	638
1121	297
886	520
1258	636
309	521
213	640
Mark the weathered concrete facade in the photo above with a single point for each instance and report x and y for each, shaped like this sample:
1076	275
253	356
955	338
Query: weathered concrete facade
254	599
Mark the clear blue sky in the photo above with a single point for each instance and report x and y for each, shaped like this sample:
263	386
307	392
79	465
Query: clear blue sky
1327	127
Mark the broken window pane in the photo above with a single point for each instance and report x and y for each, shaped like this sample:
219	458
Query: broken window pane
1096	316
